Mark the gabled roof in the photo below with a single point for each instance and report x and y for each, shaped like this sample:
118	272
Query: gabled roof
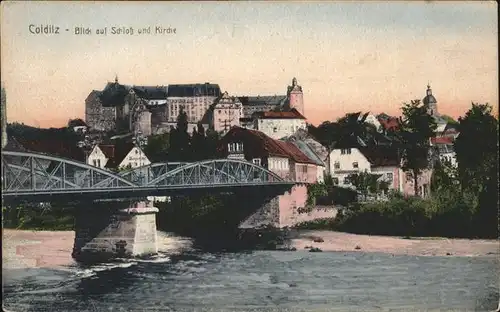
264	145
116	153
380	156
291	114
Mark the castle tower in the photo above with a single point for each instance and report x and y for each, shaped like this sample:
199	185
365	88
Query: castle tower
430	100
4	117
296	97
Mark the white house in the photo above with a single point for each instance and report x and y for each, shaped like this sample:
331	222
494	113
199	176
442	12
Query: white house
377	160
97	157
225	113
278	125
117	156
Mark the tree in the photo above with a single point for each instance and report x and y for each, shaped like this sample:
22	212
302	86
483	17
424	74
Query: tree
365	183
157	147
476	149
180	139
417	127
198	143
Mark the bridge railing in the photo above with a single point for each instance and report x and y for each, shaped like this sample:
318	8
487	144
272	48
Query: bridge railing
30	171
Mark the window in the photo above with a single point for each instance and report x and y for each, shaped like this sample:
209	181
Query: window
336	165
99	163
235	147
389	177
355	165
408	176
94	162
346	180
345	151
275	129
136	152
304	169
256	161
335	181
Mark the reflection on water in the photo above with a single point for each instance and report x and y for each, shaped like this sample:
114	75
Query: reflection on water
183	279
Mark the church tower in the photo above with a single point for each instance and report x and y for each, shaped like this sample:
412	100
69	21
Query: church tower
430	100
296	97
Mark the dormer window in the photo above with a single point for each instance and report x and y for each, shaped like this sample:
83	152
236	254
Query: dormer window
235	147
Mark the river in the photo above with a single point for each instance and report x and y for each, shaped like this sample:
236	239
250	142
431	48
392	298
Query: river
182	278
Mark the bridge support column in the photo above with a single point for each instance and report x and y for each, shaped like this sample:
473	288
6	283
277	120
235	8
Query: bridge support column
115	230
276	210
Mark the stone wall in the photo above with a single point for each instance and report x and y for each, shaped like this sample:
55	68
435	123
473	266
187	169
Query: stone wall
98	117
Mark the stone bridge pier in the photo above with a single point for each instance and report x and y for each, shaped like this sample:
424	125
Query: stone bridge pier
274	209
110	229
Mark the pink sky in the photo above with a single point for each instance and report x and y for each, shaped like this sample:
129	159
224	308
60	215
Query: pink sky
348	56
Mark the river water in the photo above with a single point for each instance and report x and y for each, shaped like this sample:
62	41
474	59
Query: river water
185	279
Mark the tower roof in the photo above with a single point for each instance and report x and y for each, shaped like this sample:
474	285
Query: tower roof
429	98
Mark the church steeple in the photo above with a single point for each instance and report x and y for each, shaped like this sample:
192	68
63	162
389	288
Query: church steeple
429	90
116	78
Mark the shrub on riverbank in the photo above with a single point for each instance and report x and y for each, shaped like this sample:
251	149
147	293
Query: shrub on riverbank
448	213
35	217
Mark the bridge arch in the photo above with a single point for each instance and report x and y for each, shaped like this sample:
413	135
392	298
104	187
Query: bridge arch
216	171
33	171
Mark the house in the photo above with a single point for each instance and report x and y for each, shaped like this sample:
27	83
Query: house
372	119
384	161
278	125
225	113
311	148
443	147
388	123
117	156
284	159
78	125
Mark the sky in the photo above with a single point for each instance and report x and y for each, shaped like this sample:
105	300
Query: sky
347	56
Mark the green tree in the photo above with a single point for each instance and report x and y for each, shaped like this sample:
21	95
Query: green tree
476	149
157	147
417	127
180	139
365	182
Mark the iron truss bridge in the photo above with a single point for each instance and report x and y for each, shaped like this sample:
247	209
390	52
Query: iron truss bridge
32	176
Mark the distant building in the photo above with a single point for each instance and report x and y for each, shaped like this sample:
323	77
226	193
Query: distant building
97	116
78	126
118	107
194	99
225	113
278	125
294	98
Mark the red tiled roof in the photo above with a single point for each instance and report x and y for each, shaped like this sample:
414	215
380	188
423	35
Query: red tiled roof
295	153
442	140
260	145
291	114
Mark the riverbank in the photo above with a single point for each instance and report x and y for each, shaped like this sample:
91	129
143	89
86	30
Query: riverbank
29	249
424	246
